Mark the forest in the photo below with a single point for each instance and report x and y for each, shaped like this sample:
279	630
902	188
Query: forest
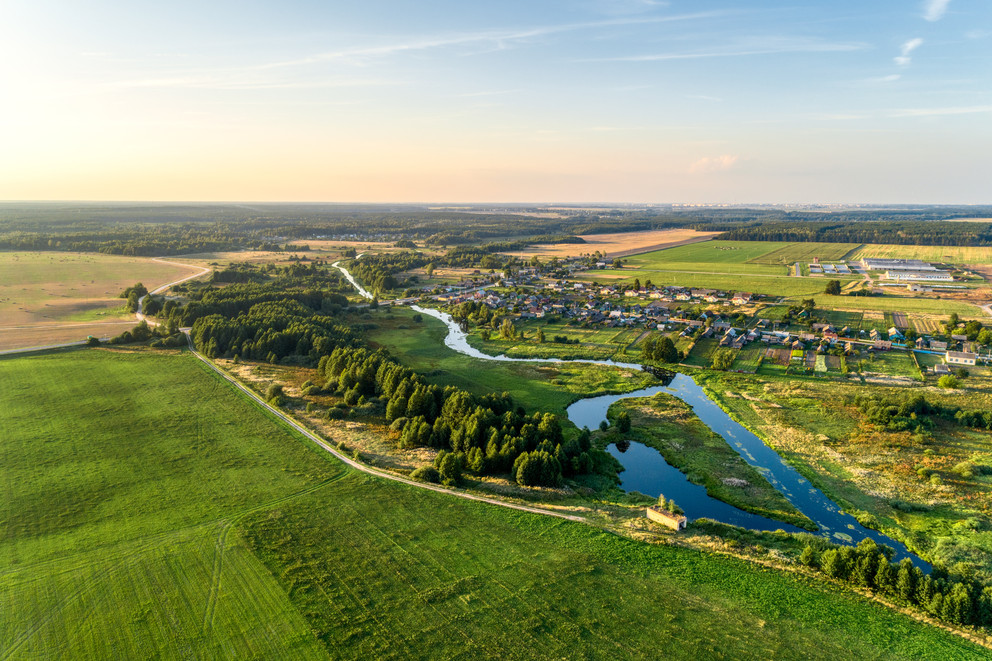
172	229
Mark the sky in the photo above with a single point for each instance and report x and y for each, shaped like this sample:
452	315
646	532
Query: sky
542	101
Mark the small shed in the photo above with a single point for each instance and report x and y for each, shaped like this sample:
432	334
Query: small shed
666	518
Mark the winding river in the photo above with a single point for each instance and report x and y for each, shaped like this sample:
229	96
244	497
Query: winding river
646	471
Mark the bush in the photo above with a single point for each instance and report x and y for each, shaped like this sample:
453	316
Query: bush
427	474
947	381
274	391
335	414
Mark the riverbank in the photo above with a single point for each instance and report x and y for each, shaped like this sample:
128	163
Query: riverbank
669	426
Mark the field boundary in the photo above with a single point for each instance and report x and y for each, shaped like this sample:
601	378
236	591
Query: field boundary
656	247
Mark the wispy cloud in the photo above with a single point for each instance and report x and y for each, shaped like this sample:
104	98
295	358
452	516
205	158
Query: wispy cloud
750	46
936	112
234	83
934	10
903	59
709	164
499	39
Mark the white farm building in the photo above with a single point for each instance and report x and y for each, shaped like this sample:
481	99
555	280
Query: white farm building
872	264
919	276
960	358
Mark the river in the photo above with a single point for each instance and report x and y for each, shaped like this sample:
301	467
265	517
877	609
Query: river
646	471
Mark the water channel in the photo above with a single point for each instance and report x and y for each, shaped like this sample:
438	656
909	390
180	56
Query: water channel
646	471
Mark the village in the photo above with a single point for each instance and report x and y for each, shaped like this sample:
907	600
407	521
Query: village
557	293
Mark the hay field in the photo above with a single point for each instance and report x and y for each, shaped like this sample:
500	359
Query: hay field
618	245
946	254
49	297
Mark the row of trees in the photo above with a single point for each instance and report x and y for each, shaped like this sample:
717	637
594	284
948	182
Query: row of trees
906	232
869	566
488	433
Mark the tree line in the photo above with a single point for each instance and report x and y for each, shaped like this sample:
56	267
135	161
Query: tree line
955	600
485	434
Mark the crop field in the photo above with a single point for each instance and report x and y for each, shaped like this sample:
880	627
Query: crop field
198	527
759	284
805	252
50	297
117	508
897	304
613	245
711	257
945	254
411	574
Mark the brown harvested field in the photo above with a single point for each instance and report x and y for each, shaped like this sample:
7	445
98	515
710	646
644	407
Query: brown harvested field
319	249
619	245
52	297
41	335
899	320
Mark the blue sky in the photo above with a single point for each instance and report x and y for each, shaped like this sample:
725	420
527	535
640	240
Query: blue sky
588	101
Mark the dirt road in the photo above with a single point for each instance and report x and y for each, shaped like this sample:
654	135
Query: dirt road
362	467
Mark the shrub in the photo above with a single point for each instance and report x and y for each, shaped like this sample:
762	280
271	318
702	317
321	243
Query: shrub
274	391
947	381
427	474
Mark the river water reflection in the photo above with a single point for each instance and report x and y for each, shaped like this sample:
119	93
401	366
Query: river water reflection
642	465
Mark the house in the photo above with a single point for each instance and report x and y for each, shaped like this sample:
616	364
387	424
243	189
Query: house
741	298
960	358
666	518
882	345
941	368
937	345
959	338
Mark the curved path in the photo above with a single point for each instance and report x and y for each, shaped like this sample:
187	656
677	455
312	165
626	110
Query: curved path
140	316
362	467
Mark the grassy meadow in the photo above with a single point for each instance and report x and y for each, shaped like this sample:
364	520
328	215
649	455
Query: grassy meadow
670	426
872	472
536	386
151	511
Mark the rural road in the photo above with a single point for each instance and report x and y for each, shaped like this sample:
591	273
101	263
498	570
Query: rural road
141	301
362	467
138	314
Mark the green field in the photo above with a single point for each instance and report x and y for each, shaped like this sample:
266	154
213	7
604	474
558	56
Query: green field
536	386
713	256
806	252
758	284
149	510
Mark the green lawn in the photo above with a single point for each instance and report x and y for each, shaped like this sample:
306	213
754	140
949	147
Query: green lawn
150	511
